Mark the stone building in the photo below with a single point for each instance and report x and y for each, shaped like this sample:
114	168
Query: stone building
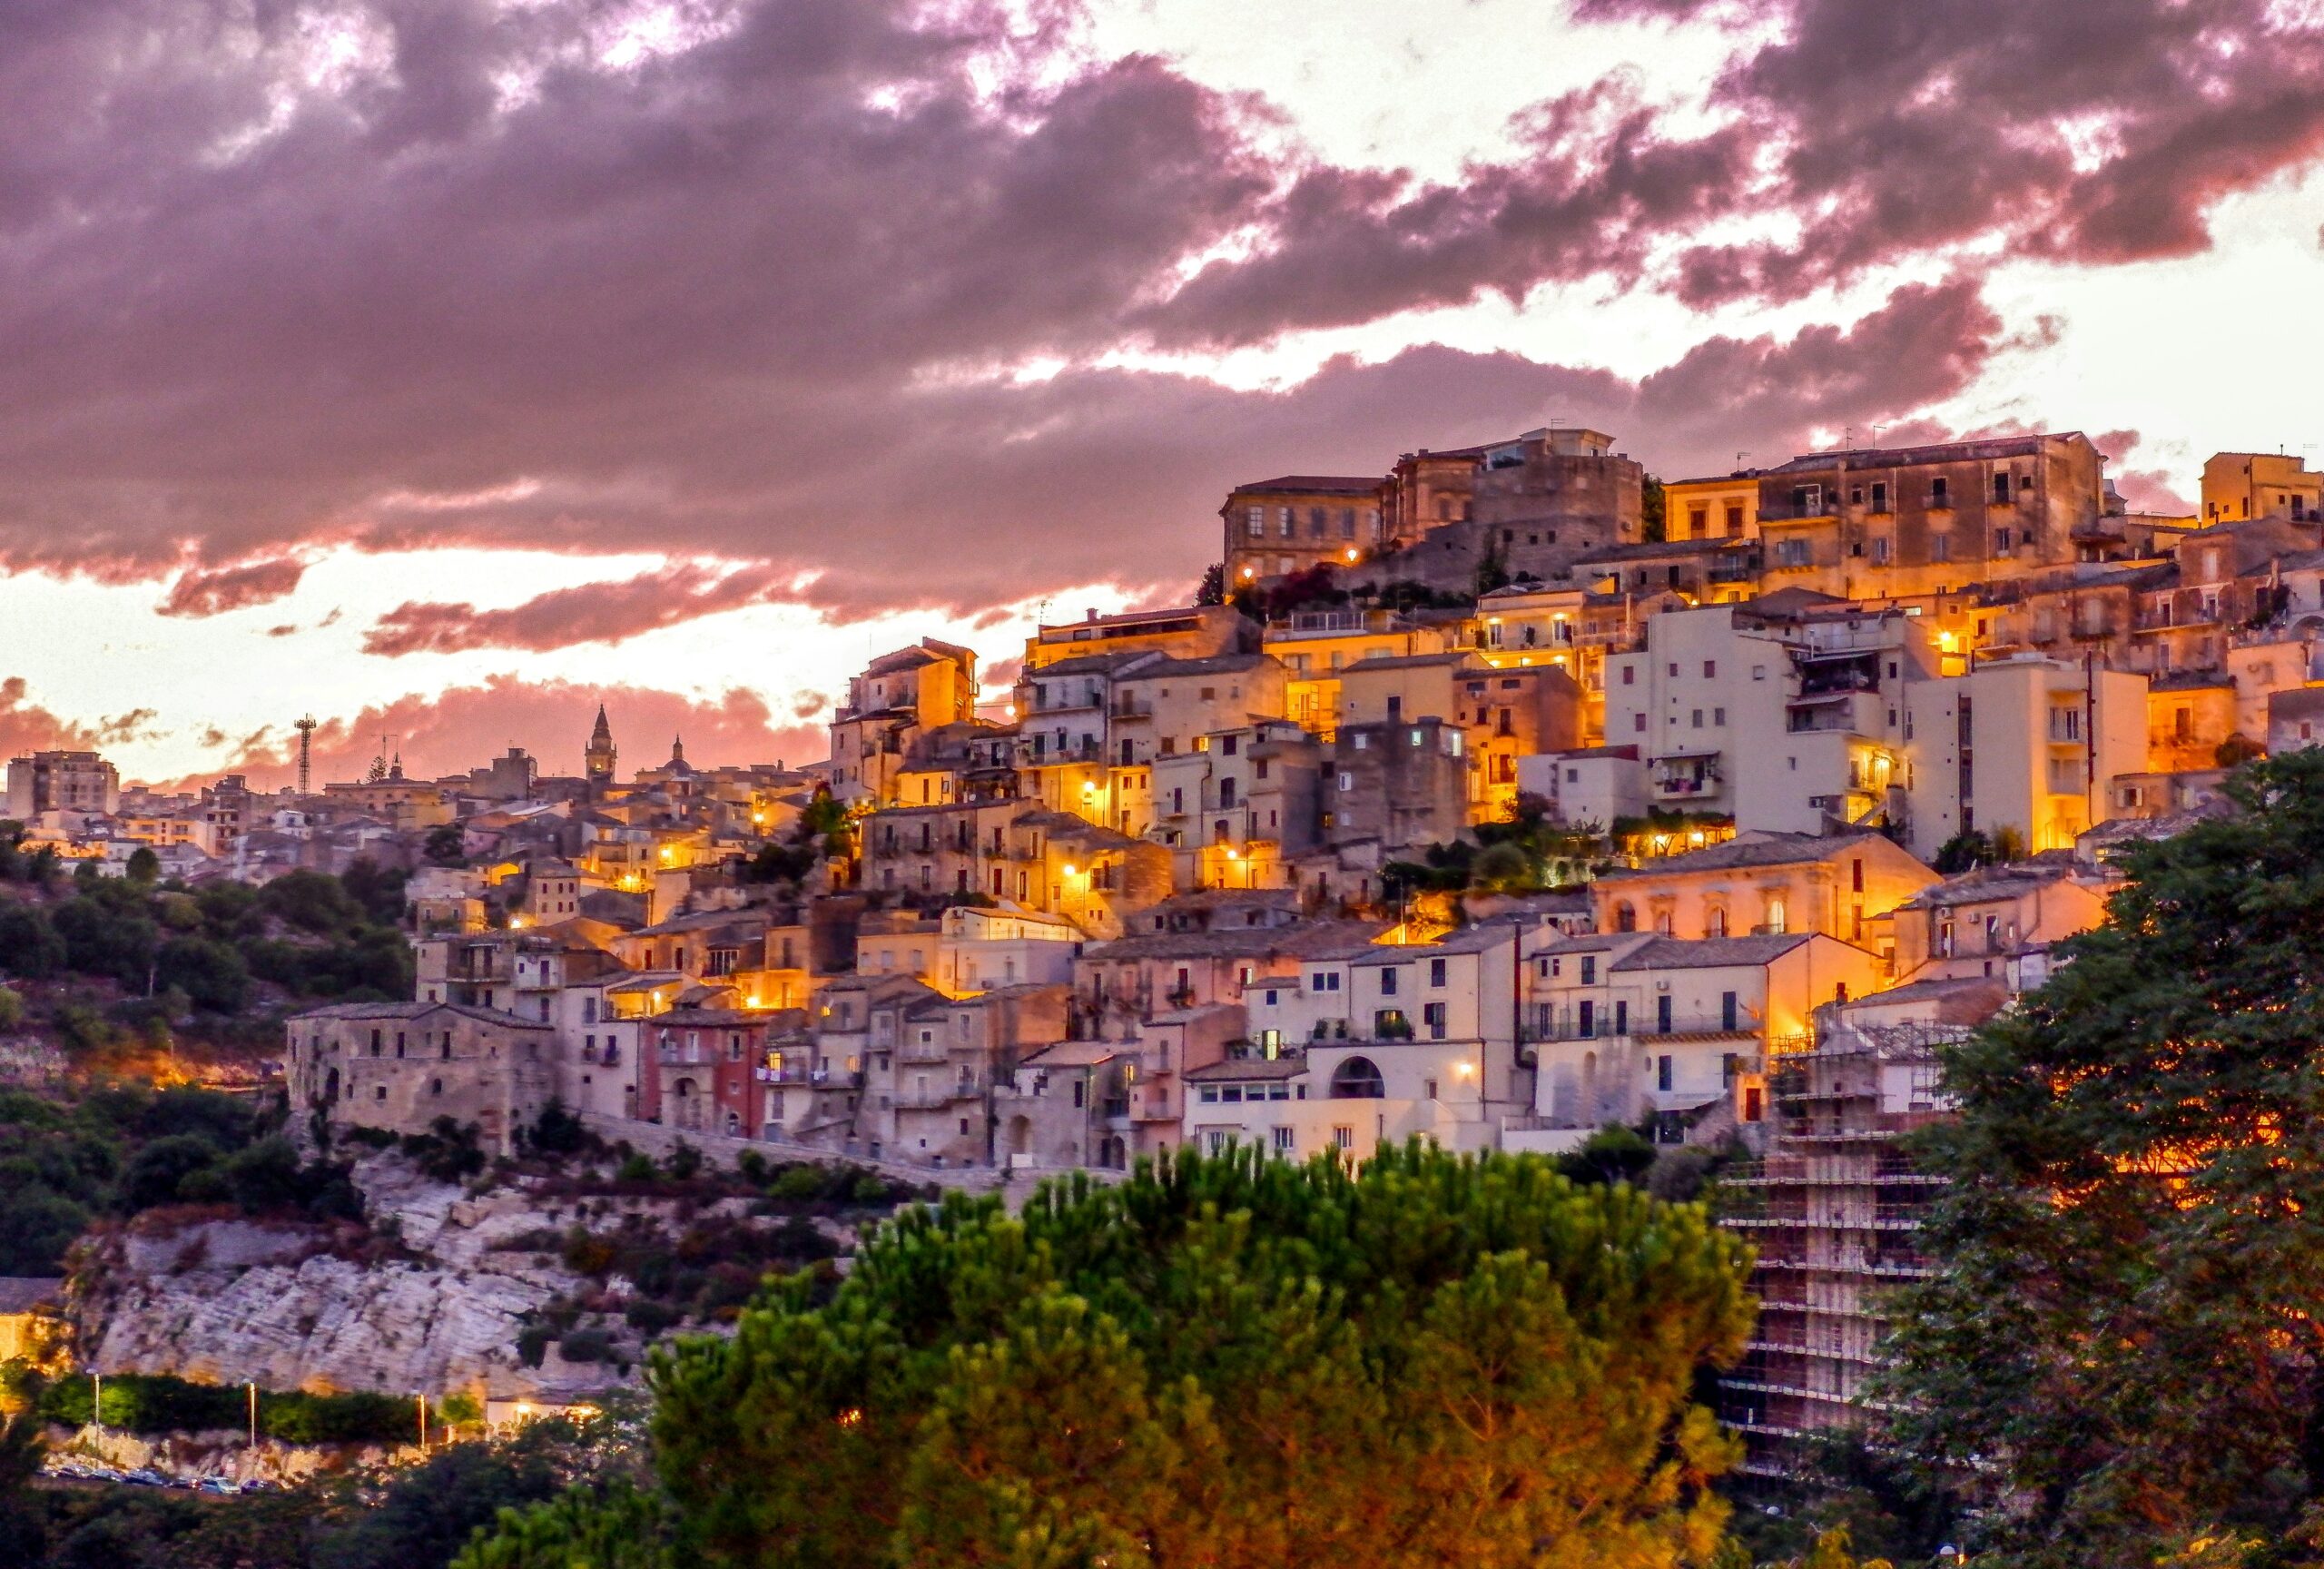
399	1066
1288	524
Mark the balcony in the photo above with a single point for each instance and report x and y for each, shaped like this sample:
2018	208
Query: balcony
1738	1023
923	1051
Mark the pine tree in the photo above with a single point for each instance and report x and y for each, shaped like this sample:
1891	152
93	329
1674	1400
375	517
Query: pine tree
1434	1361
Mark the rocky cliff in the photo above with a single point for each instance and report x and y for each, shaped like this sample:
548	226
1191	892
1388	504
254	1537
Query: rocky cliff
294	1306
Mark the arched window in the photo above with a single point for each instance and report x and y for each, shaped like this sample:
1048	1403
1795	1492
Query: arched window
1357	1079
1625	916
1776	916
1714	922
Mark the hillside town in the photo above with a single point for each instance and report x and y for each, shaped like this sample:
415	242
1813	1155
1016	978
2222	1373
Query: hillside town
1490	802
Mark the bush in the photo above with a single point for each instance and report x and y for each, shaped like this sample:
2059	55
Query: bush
638	1168
587	1346
649	1316
798	1182
532	1344
558	1131
685	1162
156	1171
871	1189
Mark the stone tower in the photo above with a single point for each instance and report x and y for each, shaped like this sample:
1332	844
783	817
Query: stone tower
598	762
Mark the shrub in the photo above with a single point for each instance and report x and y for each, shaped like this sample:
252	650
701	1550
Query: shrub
637	1168
587	1346
532	1344
871	1189
798	1182
649	1316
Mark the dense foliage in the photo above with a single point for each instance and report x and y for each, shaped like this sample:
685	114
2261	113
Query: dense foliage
2121	1347
1431	1360
416	1517
149	1403
1525	853
310	933
114	1149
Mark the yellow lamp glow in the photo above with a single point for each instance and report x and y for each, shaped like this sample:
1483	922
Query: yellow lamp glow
1069	869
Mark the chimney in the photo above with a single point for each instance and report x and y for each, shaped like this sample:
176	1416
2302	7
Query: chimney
1090	615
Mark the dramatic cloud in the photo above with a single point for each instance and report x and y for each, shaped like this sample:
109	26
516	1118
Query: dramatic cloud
199	592
465	727
26	726
787	284
592	613
2146	490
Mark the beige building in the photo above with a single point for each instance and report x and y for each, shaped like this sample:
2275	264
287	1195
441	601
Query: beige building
1633	1028
1760	883
898	700
1314	647
42	782
1720	506
1918	520
1240	806
2025	744
400	1066
1297	521
2239	485
1998	922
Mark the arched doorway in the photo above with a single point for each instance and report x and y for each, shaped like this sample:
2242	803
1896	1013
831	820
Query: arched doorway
1358	1079
1021	1135
689	1105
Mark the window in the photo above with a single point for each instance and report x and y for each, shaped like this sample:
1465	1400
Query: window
1775	921
1255	522
1734	521
1940	546
2000	541
2001	488
1662	1073
1630	675
1710	669
1436	971
1343	1137
1625	920
1286	1140
1387	982
1880	496
1589	970
1697	522
1855	875
1718	716
1938	492
1434	1015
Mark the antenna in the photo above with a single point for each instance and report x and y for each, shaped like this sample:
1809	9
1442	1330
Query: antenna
306	728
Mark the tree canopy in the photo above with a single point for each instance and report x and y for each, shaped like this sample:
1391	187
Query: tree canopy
2121	1344
1225	1361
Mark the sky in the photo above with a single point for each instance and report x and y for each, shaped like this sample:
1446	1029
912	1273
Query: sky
443	369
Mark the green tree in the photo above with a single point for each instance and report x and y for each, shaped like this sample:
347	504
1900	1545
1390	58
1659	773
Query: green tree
1431	1360
29	944
2123	1336
144	866
446	845
1212	589
1653	523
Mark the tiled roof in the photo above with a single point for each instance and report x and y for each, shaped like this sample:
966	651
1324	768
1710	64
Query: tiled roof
1759	850
1711	952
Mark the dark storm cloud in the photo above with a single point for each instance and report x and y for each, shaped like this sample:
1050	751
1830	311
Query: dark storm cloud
277	279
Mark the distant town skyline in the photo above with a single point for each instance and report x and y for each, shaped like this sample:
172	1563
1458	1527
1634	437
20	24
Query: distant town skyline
447	376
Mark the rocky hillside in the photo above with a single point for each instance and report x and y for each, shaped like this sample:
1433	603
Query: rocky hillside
453	1290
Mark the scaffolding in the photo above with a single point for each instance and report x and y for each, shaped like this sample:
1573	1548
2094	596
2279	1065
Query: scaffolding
1833	1210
